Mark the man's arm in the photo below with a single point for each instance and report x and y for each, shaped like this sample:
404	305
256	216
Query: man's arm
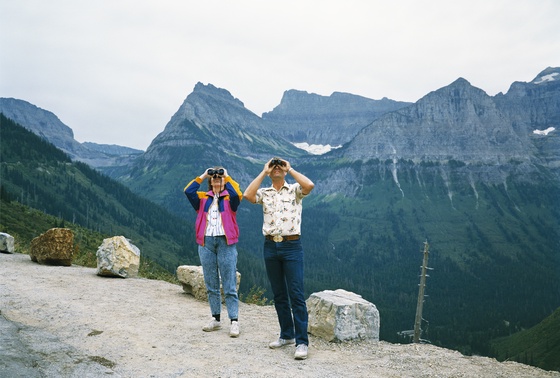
250	193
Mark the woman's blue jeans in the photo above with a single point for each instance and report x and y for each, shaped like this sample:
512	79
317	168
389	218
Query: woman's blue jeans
220	260
284	267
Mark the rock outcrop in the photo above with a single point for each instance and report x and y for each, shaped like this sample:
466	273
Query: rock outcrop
341	315
54	247
117	257
192	279
6	243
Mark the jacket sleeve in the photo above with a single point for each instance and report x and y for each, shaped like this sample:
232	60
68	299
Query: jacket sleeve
192	194
235	195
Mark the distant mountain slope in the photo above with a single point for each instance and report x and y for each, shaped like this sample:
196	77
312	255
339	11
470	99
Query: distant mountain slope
43	123
463	123
112	149
210	128
49	127
37	174
537	346
211	118
335	120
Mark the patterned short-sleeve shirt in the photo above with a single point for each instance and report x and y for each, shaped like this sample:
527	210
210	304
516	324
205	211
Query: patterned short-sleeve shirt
281	209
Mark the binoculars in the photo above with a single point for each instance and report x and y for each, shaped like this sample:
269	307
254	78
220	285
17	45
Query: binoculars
215	172
276	161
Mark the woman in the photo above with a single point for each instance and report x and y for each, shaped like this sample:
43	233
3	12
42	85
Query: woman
217	234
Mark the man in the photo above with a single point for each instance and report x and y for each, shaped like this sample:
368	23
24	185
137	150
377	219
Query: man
283	252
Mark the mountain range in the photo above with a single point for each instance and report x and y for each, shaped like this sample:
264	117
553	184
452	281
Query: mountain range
476	176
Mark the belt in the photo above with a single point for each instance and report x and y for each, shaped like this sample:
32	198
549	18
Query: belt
279	238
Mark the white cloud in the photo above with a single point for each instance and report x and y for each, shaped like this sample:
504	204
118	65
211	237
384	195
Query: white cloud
116	71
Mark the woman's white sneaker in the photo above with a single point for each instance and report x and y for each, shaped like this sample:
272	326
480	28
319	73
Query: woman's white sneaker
234	329
213	325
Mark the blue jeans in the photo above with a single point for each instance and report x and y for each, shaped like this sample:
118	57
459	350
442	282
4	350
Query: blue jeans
284	267
220	260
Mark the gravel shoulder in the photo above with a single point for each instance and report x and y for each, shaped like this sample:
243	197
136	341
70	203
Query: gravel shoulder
69	322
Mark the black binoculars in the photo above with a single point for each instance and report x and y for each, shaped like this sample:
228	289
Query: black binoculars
215	172
276	161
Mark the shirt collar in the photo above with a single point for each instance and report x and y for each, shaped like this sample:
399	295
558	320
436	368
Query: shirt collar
284	185
211	193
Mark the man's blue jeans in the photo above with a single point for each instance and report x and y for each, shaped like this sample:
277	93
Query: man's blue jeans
284	266
220	260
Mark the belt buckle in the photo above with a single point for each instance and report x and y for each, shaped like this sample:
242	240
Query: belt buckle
277	238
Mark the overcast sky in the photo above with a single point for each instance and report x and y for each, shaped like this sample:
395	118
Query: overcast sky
115	71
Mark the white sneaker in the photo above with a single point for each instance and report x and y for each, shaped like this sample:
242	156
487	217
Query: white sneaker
280	343
301	352
213	325
234	329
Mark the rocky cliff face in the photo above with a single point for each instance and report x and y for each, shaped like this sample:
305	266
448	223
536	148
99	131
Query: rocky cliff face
462	123
534	111
43	123
211	120
333	120
457	122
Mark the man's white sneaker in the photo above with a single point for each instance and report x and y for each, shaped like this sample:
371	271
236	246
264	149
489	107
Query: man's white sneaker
213	325
301	352
280	343
234	329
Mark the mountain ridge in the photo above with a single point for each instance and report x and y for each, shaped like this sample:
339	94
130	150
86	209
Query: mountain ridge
484	196
49	127
304	117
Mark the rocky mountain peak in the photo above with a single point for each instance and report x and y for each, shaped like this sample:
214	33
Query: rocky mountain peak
550	74
335	119
458	122
217	94
42	122
543	81
211	118
460	88
208	105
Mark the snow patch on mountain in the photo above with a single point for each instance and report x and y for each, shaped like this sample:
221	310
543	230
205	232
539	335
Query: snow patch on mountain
544	132
316	149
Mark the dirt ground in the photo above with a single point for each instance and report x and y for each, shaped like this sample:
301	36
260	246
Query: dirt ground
68	322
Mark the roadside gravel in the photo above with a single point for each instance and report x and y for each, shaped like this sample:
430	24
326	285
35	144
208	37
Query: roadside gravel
68	322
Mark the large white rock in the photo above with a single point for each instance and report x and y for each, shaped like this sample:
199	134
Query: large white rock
117	257
341	315
192	279
6	243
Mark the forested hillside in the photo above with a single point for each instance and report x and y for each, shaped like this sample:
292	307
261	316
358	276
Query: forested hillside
36	174
494	253
537	346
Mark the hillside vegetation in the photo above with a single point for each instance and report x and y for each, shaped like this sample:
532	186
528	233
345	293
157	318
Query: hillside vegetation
537	346
493	249
42	188
24	223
